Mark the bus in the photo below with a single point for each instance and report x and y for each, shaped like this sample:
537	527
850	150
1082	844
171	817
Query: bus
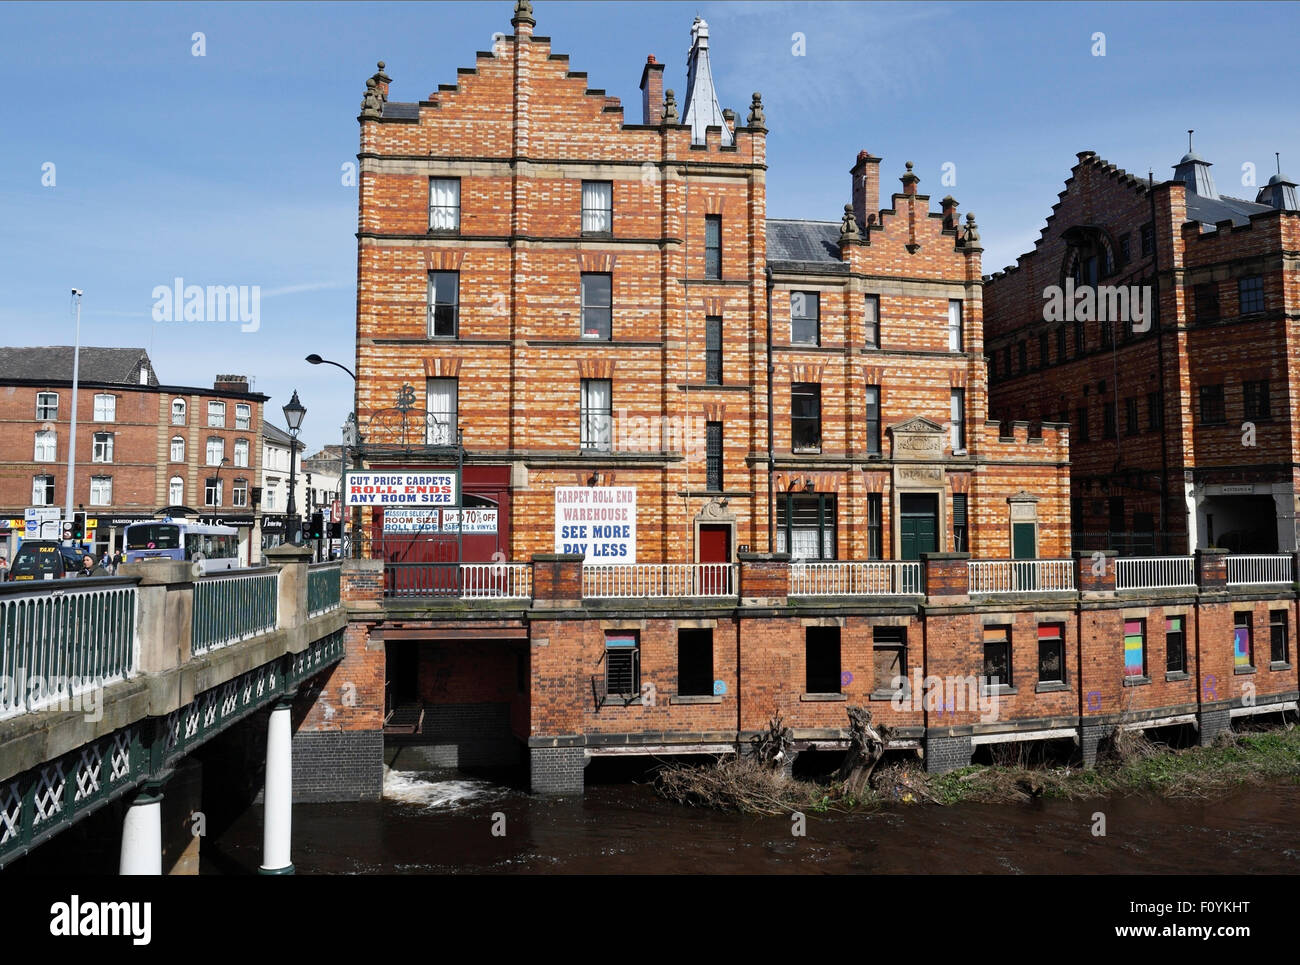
214	548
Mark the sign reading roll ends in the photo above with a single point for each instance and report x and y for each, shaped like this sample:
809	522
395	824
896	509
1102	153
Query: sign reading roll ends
409	489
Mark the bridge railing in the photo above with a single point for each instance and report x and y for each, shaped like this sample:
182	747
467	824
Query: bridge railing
324	587
62	641
232	606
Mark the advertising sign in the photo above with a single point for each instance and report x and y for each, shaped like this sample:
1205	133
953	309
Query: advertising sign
598	522
476	520
386	489
410	521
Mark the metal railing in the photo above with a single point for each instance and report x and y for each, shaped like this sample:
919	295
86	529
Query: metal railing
1255	570
64	640
462	581
1154	573
496	581
324	587
1020	576
875	578
229	608
657	580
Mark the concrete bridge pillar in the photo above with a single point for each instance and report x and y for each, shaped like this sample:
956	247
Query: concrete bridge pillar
142	833
277	812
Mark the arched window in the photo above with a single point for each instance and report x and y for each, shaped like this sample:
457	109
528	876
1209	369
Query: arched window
178	448
176	491
178	412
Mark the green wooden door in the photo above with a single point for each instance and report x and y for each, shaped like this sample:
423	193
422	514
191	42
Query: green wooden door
919	525
1024	546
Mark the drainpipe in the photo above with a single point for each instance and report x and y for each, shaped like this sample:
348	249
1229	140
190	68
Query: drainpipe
771	492
1160	361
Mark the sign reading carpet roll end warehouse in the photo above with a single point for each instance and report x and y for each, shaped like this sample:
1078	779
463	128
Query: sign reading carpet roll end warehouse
598	522
400	489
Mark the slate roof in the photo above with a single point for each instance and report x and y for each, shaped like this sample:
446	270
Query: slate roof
280	437
114	366
796	245
1212	210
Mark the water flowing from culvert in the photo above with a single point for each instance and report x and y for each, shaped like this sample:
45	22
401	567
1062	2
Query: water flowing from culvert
443	822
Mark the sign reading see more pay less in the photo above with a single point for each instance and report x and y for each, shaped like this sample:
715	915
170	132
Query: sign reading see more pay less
598	522
400	489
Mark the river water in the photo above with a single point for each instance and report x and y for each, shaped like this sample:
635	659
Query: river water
437	822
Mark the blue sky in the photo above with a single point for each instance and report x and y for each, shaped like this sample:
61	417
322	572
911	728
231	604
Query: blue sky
226	169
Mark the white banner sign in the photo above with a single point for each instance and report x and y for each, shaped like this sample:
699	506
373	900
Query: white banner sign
410	521
42	522
400	489
598	522
476	520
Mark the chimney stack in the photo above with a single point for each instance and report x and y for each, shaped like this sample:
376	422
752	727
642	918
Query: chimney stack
231	383
866	189
949	207
652	92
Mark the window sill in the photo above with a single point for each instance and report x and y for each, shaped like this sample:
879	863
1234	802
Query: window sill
695	699
890	695
621	701
818	698
1238	671
1174	675
1279	666
806	452
1001	690
1136	681
1051	687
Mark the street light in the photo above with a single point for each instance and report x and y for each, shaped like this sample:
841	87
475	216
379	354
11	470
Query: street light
216	492
293	416
351	437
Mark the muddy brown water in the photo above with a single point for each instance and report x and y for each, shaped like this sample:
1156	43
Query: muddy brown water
442	823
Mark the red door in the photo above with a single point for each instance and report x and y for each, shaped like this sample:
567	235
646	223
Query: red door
715	548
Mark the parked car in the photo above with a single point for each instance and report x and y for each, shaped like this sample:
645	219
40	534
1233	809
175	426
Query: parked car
44	559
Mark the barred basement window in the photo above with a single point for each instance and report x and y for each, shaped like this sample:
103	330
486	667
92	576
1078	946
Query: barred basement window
1277	636
713	456
695	663
1051	653
960	536
822	660
1212	409
1250	292
1256	400
997	656
1175	646
713	350
889	659
622	664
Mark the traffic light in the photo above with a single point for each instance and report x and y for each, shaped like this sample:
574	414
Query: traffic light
316	530
67	530
78	526
336	531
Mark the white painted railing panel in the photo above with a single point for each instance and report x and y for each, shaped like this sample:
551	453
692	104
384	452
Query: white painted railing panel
1154	573
1253	570
1021	576
496	581
657	580
872	578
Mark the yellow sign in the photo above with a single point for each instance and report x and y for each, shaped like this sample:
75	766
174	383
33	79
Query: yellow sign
92	523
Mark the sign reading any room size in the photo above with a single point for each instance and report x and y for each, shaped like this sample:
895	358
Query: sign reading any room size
598	522
400	489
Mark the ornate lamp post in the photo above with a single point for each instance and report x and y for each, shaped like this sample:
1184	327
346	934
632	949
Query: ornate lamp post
351	437
293	416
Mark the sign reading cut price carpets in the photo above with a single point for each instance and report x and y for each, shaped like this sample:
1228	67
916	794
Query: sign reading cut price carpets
400	489
597	521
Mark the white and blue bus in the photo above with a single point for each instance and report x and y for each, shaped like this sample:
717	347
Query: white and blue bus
214	548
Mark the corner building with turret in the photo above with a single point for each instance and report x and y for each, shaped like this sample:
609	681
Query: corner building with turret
596	304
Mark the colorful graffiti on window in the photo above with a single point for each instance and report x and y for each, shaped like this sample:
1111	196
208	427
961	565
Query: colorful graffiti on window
1134	664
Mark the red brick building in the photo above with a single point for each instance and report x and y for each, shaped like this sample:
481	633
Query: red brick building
141	445
1182	423
596	304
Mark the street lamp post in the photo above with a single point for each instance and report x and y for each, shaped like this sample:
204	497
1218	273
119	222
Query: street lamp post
72	427
293	415
351	439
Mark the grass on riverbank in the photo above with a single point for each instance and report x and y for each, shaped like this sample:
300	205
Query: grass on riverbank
1132	765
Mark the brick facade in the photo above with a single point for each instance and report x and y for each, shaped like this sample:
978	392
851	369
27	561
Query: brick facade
1226	469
